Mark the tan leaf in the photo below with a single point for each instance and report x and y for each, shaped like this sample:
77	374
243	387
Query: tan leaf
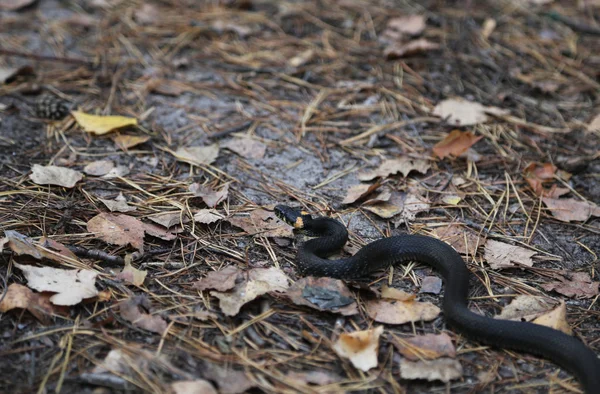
222	280
22	245
260	281
207	216
537	173
319	378
229	380
576	284
118	229
594	124
414	47
21	297
489	25
358	192
99	167
400	312
146	14
302	58
198	155
556	319
71	286
130	311
198	386
262	222
210	196
570	209
396	294
99	124
118	171
126	141
246	147
431	284
324	294
53	175
384	209
501	255
461	112
119	204
167	87
131	274
360	347
403	165
169	219
526	308
413	204
400	27
161	232
428	347
455	144
444	369
463	240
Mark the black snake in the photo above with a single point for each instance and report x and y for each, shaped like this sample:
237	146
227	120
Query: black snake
562	349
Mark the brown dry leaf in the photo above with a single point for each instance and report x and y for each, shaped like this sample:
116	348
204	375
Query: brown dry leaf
130	311
403	165
501	255
7	74
170	219
360	347
319	378
396	294
22	297
53	245
444	369
556	319
167	87
21	245
210	196
198	386
428	346
461	112
302	58
399	28
126	141
594	124
53	175
119	204
414	47
219	280
358	192
118	229
324	294
99	124
207	216
158	231
385	210
413	204
229	381
262	222
526	307
537	173
260	281
463	240
246	147
146	14
131	274
118	171
455	143
570	209
576	284
70	286
400	312
99	167
197	155
431	284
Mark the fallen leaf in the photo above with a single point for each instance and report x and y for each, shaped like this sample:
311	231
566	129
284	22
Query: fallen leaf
302	58
399	28
131	274
425	347
358	192
146	14
319	378
118	229
115	362
360	347
396	294
461	112
537	173
323	294
463	240
526	308
99	167
260	281
126	141
161	232
400	312
229	380
119	204
169	219
53	175
556	319
444	369
70	286
116	172
575	284
21	244
414	47
413	204
99	124
260	221
570	209
502	255
8	74
198	155
222	280
198	386
130	311
489	25
452	199
403	165
210	196
455	144
246	147
207	216
431	284
22	297
594	124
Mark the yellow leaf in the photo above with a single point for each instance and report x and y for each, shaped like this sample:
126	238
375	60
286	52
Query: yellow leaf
99	125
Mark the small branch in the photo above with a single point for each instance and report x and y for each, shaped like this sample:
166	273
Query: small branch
42	58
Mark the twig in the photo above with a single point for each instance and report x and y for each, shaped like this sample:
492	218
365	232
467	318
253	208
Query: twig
44	58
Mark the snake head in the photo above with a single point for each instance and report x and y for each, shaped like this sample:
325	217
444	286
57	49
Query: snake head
291	216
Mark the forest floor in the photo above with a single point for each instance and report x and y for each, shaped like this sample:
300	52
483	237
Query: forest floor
140	253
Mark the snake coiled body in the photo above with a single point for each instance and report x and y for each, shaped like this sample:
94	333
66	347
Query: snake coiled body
562	349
